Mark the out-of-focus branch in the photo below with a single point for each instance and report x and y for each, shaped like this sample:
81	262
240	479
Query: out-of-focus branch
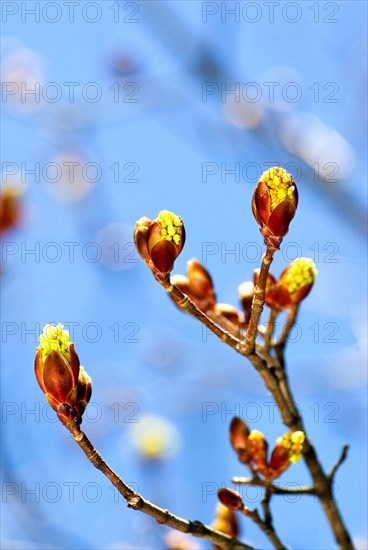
275	489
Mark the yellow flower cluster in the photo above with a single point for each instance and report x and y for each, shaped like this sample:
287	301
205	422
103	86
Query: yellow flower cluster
55	338
300	273
280	184
171	226
293	442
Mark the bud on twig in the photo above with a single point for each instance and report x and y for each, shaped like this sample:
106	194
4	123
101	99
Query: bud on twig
252	448
294	285
66	385
231	499
198	286
274	204
159	242
226	522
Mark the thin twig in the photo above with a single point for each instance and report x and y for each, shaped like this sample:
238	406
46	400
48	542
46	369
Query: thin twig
343	456
258	302
267	529
185	304
290	322
137	502
275	489
270	329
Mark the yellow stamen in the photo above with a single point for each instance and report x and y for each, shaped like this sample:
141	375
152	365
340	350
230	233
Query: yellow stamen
300	273
280	184
171	226
55	338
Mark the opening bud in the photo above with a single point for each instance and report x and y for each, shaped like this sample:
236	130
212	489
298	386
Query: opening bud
159	242
274	204
66	385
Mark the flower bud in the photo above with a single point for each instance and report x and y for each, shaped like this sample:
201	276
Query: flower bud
239	433
274	204
294	285
246	291
140	237
159	242
230	499
200	281
298	278
10	211
229	312
293	443
226	522
288	449
197	286
258	448
67	387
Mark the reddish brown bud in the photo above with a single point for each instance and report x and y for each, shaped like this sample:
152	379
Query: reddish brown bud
230	499
197	286
67	387
239	433
140	237
294	284
274	203
9	207
200	281
279	461
159	242
258	448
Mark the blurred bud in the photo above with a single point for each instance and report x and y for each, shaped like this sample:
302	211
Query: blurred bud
229	312
270	279
174	540
294	285
9	207
140	237
258	448
230	499
246	291
67	387
225	521
159	242
274	204
239	433
84	390
288	449
293	442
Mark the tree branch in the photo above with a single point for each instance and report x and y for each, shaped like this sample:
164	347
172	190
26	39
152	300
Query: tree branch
275	489
258	302
267	528
137	502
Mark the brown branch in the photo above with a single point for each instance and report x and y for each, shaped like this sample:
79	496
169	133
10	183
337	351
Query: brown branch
290	322
267	529
276	382
258	302
185	304
275	489
270	329
137	502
